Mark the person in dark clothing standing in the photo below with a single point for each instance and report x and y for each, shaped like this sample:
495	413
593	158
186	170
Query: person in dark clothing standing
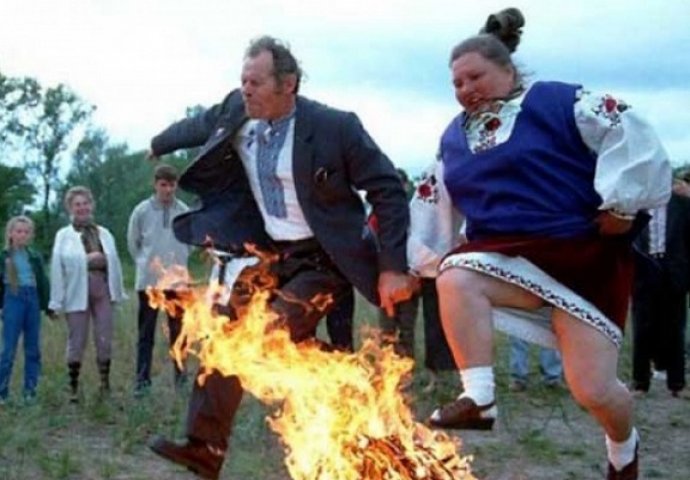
660	290
438	358
154	248
340	320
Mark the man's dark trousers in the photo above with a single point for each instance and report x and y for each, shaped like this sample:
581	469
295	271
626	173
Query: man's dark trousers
303	271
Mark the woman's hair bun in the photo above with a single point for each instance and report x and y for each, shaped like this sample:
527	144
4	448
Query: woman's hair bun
505	25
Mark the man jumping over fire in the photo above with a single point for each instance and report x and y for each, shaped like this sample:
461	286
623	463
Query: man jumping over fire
281	172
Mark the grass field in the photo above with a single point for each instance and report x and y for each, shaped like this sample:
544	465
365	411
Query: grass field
541	434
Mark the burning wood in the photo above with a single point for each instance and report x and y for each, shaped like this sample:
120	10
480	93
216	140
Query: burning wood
387	458
340	416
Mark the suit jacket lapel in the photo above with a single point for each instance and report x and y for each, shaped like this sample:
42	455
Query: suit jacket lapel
303	152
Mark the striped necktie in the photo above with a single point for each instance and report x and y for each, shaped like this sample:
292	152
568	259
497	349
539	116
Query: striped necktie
270	142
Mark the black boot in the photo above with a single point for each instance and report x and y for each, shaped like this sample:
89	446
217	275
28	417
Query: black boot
198	456
73	369
104	372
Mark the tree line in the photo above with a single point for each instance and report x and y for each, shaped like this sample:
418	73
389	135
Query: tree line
47	131
49	143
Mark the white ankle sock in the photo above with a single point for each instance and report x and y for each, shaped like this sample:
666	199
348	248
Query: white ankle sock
478	384
622	453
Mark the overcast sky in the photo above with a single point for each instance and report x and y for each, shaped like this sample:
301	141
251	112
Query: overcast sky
142	62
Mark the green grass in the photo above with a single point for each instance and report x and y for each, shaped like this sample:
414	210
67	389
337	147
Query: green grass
106	438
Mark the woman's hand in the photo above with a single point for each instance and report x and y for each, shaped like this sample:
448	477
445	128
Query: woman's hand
610	224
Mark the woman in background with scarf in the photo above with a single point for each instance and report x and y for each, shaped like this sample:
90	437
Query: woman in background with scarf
85	281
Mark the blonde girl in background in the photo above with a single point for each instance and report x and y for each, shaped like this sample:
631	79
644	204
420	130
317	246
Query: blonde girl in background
23	294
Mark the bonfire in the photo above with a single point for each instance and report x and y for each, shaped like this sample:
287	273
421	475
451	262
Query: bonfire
339	415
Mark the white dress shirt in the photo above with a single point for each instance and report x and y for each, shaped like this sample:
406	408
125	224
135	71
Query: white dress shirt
293	226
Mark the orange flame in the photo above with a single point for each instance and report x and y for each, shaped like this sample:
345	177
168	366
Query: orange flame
340	416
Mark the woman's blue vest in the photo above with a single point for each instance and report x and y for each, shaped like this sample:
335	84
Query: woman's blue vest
538	182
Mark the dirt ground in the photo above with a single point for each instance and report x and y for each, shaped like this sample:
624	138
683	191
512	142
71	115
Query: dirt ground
547	436
540	435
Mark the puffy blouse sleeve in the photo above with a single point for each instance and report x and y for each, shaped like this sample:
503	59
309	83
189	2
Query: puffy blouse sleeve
434	223
633	171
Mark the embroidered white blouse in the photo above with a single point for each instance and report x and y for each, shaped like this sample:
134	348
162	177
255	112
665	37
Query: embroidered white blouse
632	173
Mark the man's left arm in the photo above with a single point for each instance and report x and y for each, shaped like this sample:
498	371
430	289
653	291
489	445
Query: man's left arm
193	131
370	170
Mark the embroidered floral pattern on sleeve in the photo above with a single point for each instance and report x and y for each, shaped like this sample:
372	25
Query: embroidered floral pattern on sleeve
611	109
427	189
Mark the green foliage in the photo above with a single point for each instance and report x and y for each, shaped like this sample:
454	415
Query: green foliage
41	129
106	437
47	133
16	191
38	127
681	170
18	98
118	179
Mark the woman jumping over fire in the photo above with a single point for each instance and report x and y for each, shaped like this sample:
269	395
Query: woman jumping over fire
550	179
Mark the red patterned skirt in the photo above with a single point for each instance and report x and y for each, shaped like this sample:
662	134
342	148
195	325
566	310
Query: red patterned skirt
598	269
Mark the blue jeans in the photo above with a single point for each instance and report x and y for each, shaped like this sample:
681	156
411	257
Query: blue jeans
21	314
549	362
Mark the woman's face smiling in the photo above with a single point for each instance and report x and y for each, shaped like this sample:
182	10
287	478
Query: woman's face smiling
478	80
81	208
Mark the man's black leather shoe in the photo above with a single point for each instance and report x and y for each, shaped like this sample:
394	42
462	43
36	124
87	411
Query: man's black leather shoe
197	456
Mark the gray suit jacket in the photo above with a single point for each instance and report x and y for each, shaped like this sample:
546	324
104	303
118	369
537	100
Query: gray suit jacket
333	157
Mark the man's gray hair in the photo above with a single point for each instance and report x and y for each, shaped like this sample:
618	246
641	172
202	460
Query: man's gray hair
284	62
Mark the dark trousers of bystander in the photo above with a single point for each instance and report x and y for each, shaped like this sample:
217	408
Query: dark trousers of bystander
339	322
438	357
398	330
147	319
659	312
